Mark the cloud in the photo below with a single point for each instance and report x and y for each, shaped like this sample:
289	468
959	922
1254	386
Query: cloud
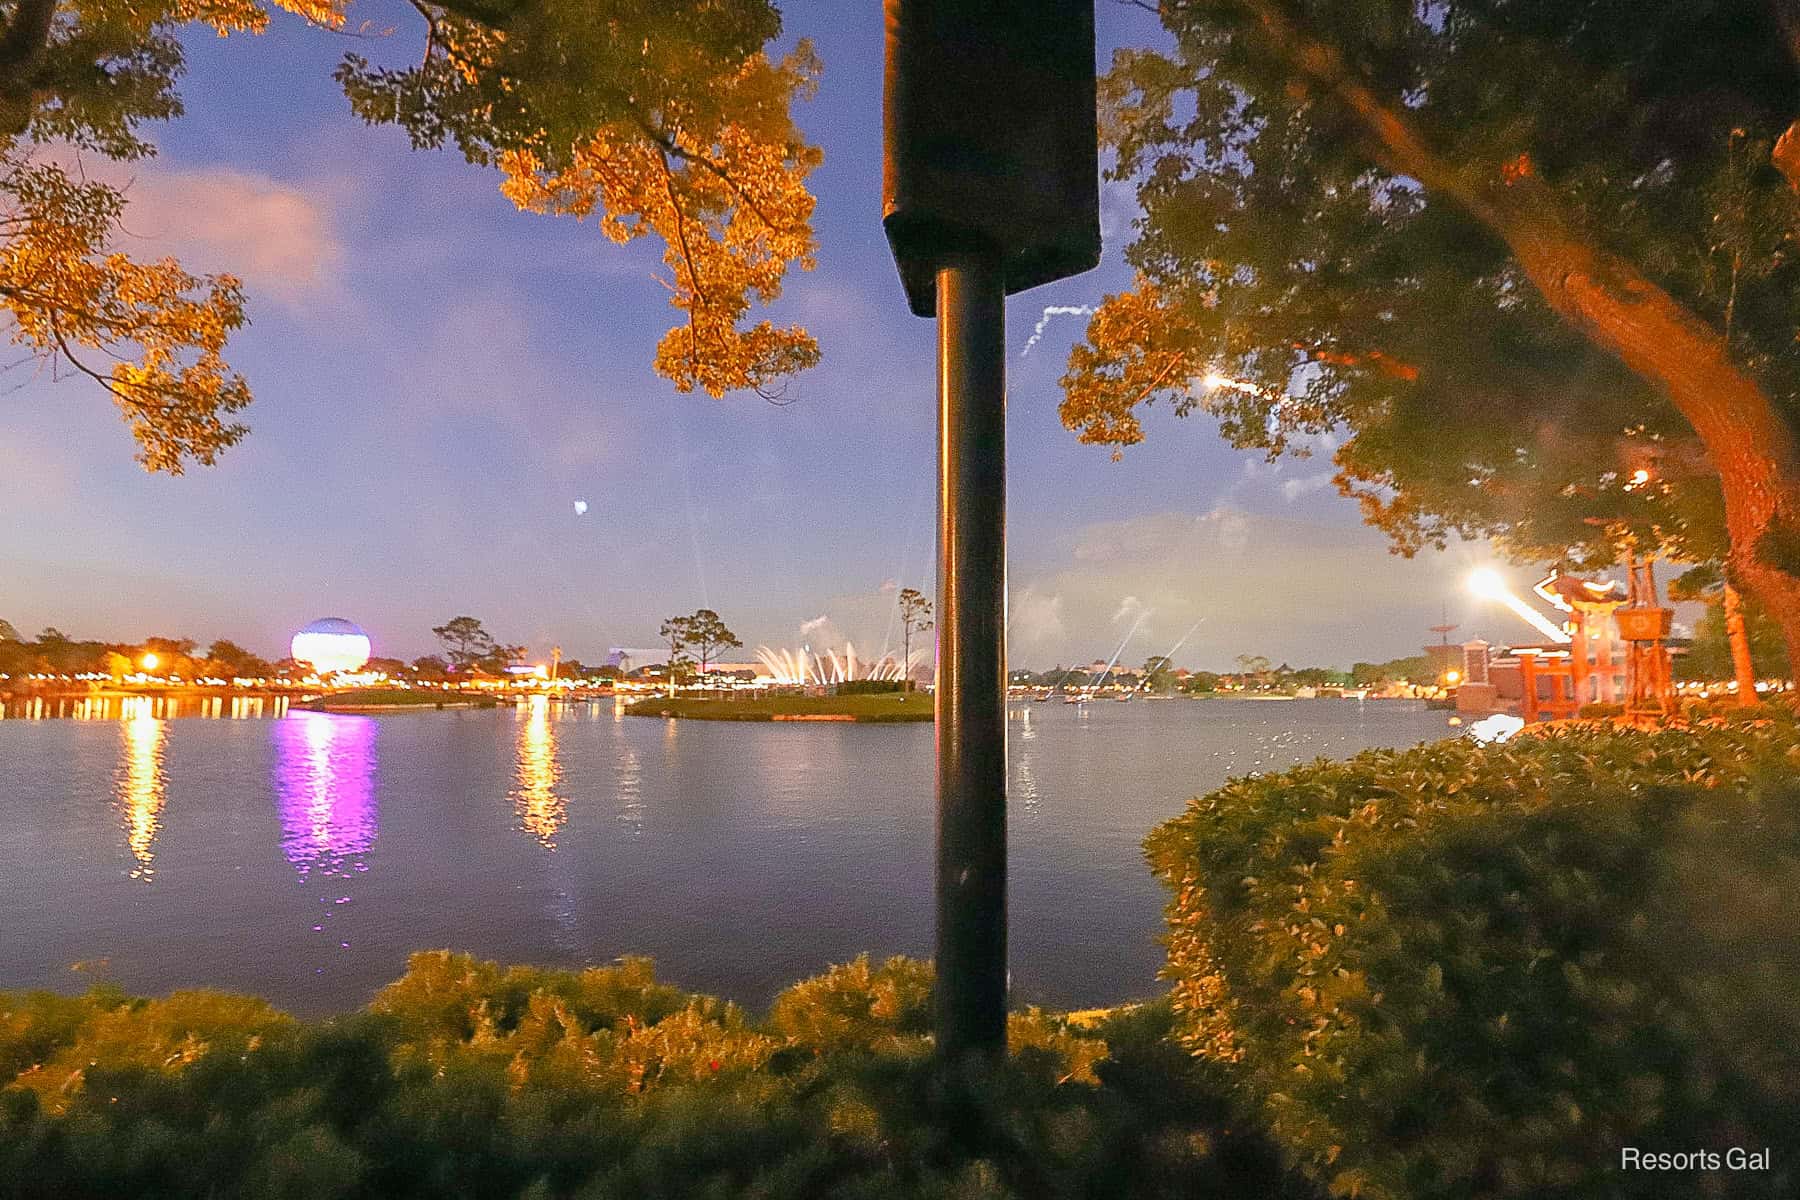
277	238
1130	608
1052	311
1229	527
1034	622
1118	209
1323	444
1293	489
814	626
1306	591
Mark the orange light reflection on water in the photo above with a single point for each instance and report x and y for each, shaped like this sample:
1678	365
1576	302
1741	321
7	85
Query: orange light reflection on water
140	786
542	809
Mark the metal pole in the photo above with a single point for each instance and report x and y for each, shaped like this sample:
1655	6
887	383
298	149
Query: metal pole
971	670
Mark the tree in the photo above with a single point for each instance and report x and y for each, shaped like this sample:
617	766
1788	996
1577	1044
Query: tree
665	119
470	646
502	657
1414	668
1254	667
8	633
430	667
1391	220
89	76
1201	682
1159	675
231	660
1733	636
174	656
676	632
1712	655
915	613
706	633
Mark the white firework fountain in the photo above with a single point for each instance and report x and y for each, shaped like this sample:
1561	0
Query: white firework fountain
807	666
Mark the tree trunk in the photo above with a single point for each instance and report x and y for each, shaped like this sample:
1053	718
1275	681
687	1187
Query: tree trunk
22	47
1616	307
1739	639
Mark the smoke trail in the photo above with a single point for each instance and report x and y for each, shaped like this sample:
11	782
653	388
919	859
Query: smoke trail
1169	658
1053	310
1114	660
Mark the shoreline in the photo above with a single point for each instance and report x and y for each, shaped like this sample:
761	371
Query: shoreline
877	708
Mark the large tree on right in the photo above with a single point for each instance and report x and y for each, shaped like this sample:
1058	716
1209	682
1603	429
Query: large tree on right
1528	267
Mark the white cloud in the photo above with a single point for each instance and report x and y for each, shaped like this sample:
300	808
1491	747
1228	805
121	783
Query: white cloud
1130	608
1034	622
1322	444
1118	209
276	237
1304	485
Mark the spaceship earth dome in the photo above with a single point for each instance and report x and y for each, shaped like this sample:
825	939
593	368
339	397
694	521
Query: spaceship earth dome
330	645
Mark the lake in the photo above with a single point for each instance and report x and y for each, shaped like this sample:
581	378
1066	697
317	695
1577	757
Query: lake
301	857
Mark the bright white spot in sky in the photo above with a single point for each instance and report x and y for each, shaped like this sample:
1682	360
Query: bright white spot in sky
1487	583
581	508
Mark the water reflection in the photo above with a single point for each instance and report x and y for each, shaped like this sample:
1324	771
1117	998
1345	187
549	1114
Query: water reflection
325	791
161	706
140	784
542	810
629	791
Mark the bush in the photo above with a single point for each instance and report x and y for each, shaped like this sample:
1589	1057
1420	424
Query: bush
1483	971
465	1079
870	687
1729	710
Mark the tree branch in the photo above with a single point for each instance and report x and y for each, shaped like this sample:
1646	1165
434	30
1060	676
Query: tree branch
687	254
671	147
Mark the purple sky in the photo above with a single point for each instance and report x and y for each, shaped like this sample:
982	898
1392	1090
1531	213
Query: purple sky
440	377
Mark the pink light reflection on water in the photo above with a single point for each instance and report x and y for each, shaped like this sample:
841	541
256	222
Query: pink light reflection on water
324	778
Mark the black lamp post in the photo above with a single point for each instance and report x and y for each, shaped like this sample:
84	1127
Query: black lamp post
991	186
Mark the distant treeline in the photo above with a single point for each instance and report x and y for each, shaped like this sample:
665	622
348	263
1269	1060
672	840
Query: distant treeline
1255	674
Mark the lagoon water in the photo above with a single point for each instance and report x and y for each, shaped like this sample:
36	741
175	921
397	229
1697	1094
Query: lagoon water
302	857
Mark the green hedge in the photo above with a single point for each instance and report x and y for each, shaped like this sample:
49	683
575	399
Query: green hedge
464	1079
870	687
1460	971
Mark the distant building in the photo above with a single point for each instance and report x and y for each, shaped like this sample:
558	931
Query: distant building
627	659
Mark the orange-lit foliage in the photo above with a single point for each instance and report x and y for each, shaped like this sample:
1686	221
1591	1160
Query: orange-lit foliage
662	118
727	199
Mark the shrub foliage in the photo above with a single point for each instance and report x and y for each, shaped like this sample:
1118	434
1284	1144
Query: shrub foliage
1484	971
465	1079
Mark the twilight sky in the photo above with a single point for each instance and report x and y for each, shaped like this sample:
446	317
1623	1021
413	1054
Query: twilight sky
440	377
